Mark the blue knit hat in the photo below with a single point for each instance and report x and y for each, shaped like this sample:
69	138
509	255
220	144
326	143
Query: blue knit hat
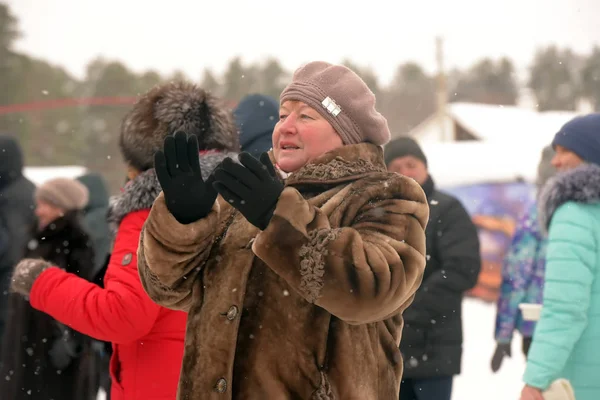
581	135
256	116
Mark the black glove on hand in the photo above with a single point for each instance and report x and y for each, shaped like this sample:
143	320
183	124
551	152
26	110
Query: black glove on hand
502	350
253	187
188	197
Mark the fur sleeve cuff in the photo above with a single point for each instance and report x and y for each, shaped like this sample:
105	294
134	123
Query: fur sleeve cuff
174	251
303	217
163	226
25	274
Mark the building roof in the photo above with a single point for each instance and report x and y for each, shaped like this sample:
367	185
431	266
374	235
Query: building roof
471	162
494	123
502	123
39	175
508	145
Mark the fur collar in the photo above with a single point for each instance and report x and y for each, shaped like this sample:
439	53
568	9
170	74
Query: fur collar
581	185
347	163
140	193
69	225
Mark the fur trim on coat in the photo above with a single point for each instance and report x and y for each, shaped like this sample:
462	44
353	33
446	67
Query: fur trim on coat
581	185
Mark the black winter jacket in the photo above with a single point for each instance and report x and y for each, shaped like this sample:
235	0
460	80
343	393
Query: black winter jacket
16	215
32	338
432	336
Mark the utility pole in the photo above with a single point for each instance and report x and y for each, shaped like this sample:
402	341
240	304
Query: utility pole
441	91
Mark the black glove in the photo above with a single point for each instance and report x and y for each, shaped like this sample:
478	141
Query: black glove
253	187
188	197
502	350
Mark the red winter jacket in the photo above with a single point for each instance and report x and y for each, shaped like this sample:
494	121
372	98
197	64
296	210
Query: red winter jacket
147	338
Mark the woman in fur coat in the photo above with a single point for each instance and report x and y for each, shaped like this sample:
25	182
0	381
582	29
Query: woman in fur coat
147	338
42	358
295	277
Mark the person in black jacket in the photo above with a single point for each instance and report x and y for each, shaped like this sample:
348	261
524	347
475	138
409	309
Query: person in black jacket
41	358
16	215
432	336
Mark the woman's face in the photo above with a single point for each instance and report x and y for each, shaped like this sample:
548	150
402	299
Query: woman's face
564	159
46	213
301	135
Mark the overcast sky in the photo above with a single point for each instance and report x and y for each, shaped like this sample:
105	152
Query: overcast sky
192	35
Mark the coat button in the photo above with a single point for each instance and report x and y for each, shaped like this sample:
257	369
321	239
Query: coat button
221	386
232	313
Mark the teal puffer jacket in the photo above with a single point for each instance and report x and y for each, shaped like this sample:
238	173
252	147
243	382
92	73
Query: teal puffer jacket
566	342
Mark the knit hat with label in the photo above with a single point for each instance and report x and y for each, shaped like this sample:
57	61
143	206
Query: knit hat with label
342	98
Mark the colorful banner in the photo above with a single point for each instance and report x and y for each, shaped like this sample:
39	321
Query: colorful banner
495	208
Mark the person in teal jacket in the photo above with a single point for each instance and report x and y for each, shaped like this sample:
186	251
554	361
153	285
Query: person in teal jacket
567	336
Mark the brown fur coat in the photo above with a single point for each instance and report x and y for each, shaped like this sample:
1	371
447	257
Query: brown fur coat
309	308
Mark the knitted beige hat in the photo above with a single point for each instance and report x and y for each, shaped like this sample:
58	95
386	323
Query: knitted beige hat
342	98
66	194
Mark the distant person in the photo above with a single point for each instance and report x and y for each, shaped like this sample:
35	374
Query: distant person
432	336
41	358
522	273
256	116
16	215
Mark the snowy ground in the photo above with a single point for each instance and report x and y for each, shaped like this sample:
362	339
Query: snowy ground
477	380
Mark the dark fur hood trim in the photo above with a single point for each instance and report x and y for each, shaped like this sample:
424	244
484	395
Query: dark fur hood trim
140	193
581	185
70	225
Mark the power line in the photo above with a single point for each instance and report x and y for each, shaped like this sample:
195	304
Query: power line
61	103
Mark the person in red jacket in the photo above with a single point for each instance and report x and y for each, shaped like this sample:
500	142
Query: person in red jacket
147	338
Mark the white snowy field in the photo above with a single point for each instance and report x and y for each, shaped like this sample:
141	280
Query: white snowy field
477	380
